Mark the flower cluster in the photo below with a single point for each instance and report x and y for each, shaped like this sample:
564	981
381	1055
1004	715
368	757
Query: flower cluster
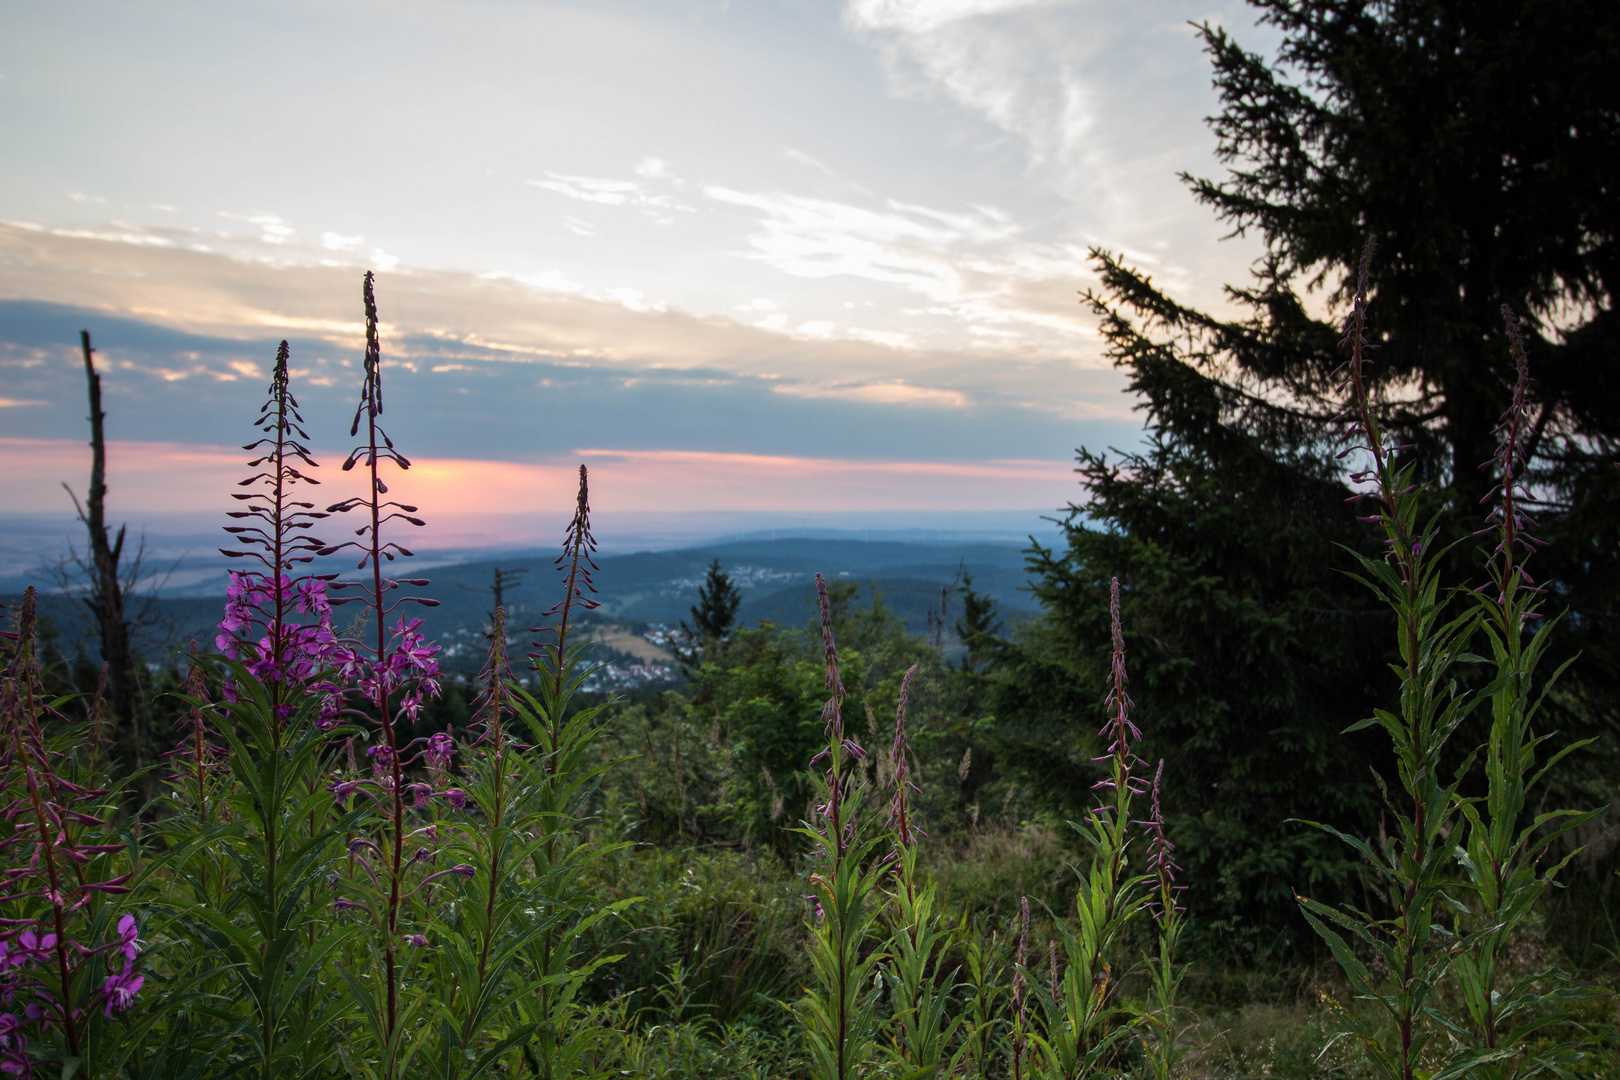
832	717
1120	729
576	564
26	963
407	673
1509	496
900	817
284	651
277	624
1161	862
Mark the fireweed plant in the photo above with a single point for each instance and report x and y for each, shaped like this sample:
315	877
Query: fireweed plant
514	941
1502	855
1068	1021
837	1013
1087	1025
254	836
1451	908
258	627
68	958
384	883
921	1027
413	915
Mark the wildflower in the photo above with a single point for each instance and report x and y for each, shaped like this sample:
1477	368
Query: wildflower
417	940
128	940
33	949
456	798
120	989
441	747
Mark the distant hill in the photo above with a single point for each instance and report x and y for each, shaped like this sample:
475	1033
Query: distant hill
646	589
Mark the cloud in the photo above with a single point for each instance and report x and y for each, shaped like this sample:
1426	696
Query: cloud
922	16
1103	101
891	392
973	266
272	228
488	366
615	192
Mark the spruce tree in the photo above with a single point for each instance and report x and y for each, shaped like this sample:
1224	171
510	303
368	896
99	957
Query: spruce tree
1477	143
715	613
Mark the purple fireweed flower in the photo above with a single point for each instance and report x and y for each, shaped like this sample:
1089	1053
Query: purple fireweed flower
344	790
456	798
420	794
120	989
440	748
128	937
1161	862
33	949
1510	496
905	833
417	940
1119	729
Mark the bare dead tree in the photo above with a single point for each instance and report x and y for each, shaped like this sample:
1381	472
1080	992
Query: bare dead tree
107	588
503	580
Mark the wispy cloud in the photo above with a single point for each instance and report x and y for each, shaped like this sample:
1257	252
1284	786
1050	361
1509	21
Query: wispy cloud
885	392
974	266
628	193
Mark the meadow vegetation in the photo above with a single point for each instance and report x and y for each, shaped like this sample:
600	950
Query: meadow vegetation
1305	768
804	864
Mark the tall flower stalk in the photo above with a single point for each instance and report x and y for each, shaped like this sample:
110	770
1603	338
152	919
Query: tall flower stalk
1504	855
921	1027
1162	900
58	941
1413	863
1082	1031
401	669
837	1011
561	775
258	627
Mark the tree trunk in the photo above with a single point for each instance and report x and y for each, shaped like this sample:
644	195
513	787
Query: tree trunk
106	599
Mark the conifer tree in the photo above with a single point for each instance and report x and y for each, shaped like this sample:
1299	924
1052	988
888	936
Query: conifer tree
715	613
1477	143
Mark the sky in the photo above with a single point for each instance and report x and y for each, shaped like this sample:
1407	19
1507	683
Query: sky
756	261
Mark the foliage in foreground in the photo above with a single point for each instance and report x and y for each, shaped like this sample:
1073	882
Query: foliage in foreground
319	895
